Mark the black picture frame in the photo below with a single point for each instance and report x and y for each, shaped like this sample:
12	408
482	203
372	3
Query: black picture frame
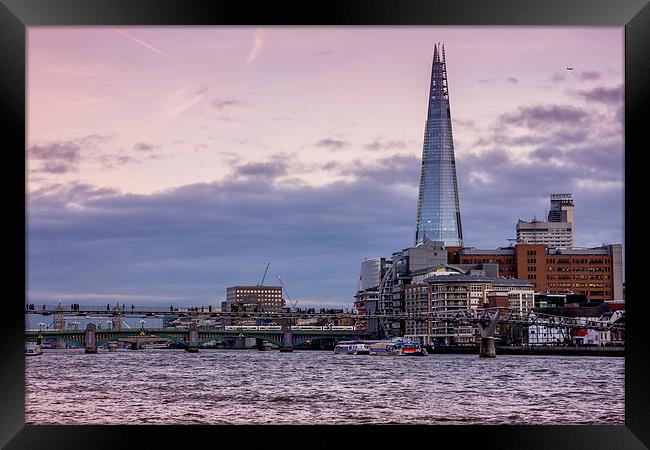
634	15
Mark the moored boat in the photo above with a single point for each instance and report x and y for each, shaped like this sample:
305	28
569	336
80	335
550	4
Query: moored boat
352	348
397	347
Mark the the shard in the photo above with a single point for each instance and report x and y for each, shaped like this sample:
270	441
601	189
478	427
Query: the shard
438	214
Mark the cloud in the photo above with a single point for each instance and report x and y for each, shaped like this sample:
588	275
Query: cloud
540	115
267	170
145	147
220	103
217	234
393	169
334	144
390	144
258	41
63	156
607	95
575	75
223	233
589	75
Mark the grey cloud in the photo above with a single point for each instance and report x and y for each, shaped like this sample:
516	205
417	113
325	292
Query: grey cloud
589	75
601	94
218	232
221	103
65	151
386	145
547	153
393	169
334	144
540	115
145	147
271	169
580	75
64	156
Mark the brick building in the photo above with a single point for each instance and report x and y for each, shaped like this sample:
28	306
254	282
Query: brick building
594	272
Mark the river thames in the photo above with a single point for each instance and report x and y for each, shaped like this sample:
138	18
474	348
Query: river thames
162	386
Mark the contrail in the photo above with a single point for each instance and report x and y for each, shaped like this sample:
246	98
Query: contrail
257	45
138	41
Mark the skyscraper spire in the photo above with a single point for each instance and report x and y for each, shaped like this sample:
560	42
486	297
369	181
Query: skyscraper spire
438	213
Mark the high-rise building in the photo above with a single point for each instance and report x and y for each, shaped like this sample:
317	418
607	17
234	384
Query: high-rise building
438	213
561	208
557	232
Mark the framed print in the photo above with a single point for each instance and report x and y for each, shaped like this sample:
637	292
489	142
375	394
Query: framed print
356	222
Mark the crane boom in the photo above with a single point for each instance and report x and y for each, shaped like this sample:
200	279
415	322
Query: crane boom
264	276
293	304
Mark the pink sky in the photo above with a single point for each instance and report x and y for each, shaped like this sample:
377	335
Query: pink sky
205	97
172	162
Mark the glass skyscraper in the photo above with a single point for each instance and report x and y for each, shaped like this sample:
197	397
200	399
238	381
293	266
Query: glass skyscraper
438	215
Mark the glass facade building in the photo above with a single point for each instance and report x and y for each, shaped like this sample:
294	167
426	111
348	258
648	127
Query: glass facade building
438	213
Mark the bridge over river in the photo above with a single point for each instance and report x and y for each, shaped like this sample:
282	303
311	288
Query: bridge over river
288	336
190	338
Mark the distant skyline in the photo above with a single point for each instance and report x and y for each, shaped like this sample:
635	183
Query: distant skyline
167	163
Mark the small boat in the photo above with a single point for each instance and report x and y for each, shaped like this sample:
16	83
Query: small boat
32	349
397	347
352	348
386	348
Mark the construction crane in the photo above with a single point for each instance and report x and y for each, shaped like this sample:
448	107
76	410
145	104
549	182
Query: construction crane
264	276
293	305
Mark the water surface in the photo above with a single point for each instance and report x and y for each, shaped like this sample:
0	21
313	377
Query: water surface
317	387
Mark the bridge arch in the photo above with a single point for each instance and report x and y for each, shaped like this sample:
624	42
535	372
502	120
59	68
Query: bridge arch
273	339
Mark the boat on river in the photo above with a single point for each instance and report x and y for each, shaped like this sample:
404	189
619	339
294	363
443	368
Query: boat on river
397	347
32	349
352	348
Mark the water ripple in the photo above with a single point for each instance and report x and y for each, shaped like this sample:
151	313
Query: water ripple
250	387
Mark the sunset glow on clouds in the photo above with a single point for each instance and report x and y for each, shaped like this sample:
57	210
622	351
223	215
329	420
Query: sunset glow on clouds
222	148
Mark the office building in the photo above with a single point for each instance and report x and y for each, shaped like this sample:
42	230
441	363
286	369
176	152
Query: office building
254	298
438	209
557	232
596	273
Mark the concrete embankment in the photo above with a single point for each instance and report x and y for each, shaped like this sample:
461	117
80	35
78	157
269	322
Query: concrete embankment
534	350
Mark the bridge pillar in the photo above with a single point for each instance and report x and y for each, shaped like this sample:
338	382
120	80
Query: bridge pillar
116	321
488	348
59	320
287	339
112	346
193	339
91	340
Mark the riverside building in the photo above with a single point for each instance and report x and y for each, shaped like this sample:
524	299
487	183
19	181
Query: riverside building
251	298
557	232
596	273
447	289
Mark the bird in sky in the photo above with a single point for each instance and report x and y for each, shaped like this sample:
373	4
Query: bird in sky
569	68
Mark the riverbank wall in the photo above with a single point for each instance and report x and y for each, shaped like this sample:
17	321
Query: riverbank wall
534	350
